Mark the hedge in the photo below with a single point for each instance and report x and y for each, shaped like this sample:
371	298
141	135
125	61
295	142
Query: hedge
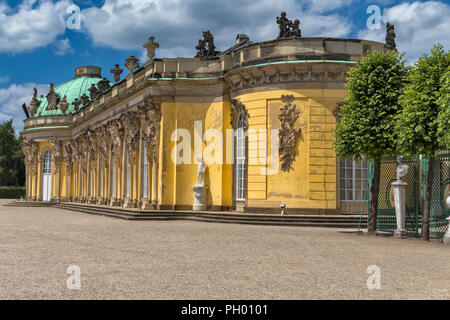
12	192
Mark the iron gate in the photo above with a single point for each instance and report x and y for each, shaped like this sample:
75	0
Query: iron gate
386	221
439	211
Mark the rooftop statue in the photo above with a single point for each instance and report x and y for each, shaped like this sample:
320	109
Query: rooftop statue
116	71
34	104
151	45
132	63
390	36
287	28
205	47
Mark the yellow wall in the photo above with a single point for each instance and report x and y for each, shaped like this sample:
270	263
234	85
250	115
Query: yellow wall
312	182
177	180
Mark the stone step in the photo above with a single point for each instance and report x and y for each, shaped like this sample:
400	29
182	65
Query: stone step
256	219
216	215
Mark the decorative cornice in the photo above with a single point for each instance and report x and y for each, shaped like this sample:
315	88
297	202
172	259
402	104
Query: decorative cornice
238	108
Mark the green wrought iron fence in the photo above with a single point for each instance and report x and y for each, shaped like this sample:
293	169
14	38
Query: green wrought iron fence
439	211
386	221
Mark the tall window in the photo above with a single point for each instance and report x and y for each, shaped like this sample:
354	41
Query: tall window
89	176
128	173
113	178
100	176
353	179
145	191
47	169
47	177
240	158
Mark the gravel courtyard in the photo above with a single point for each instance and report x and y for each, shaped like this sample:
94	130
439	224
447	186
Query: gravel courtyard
122	259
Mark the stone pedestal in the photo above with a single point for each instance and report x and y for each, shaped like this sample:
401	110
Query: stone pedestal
400	208
199	197
447	234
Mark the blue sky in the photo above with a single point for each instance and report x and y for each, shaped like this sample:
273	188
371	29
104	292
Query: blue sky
37	47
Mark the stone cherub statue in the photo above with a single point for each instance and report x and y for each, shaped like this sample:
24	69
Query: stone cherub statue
402	169
283	24
287	28
200	171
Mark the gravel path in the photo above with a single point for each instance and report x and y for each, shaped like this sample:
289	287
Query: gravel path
195	260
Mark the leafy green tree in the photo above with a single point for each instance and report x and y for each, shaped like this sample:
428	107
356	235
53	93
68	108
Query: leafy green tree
366	128
417	125
12	169
444	115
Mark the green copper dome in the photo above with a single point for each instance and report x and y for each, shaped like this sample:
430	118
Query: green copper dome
72	89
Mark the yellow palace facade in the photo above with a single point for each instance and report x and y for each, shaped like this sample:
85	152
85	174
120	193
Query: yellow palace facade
261	115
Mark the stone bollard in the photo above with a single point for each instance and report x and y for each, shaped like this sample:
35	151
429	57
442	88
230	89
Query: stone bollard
400	208
447	234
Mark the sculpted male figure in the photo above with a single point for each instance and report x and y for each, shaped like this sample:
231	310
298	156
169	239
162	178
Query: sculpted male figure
200	171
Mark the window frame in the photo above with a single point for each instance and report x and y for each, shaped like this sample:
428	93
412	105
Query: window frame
343	190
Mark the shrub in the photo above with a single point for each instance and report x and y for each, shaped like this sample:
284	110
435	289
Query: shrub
12	192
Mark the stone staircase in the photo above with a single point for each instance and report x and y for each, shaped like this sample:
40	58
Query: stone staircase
324	221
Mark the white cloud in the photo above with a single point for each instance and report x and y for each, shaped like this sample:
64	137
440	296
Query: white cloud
31	25
178	24
418	26
63	47
12	98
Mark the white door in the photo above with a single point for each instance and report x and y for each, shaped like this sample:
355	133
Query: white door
47	177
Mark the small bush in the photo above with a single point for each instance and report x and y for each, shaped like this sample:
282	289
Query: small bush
12	192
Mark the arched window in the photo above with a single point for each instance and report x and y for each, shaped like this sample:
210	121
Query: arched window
47	168
47	176
240	157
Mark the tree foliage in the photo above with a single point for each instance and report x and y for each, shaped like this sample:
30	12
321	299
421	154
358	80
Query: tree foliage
368	115
444	115
417	125
12	169
366	129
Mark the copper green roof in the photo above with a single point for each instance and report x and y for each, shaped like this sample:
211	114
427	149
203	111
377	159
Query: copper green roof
72	89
